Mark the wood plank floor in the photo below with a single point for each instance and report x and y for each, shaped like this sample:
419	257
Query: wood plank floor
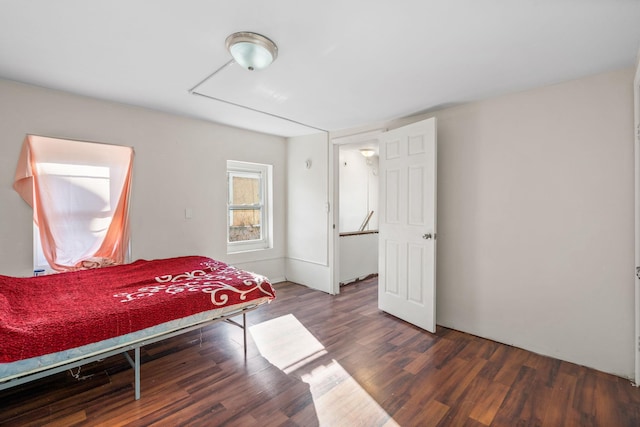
314	359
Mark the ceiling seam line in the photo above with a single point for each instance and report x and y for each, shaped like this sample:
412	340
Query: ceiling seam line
193	92
203	81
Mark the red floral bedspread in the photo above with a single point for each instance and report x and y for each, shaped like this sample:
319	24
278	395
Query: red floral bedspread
47	314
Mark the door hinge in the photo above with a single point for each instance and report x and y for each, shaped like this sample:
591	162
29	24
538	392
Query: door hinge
638	272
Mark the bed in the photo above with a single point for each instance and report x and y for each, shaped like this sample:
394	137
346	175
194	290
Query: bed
56	322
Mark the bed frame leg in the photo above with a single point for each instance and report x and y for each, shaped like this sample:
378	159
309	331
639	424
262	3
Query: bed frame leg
244	331
137	372
135	364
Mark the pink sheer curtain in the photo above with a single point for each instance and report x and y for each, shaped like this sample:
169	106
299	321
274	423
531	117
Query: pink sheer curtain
79	192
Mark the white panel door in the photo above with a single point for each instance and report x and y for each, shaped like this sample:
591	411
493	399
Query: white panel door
407	251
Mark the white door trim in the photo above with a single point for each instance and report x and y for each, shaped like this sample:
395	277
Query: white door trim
636	114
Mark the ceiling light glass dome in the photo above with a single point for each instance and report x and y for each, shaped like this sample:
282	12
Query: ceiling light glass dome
252	51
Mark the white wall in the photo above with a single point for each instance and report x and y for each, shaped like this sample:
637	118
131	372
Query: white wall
358	256
307	216
180	163
536	226
535	220
358	190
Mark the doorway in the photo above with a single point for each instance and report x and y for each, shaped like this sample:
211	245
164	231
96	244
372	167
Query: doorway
355	214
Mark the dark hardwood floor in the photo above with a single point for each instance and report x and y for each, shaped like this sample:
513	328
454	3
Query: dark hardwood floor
315	359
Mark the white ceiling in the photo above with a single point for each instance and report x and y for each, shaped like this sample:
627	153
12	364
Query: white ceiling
341	64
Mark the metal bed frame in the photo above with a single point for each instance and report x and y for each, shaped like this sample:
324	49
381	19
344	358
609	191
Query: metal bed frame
124	348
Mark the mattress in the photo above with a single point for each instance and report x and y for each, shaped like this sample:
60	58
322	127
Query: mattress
49	321
32	365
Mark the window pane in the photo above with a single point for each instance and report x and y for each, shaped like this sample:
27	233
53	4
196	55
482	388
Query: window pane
83	209
244	224
246	190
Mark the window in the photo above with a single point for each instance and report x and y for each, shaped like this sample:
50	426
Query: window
86	212
80	193
248	206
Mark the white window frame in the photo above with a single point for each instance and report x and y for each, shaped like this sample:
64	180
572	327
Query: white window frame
235	167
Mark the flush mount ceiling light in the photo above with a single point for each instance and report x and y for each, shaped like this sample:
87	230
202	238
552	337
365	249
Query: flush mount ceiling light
251	50
367	152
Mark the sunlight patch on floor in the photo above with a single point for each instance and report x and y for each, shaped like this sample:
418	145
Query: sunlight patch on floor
286	343
341	401
338	398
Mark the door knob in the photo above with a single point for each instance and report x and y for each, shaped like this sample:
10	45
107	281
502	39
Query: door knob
427	236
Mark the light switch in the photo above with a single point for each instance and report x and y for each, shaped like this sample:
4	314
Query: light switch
188	213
